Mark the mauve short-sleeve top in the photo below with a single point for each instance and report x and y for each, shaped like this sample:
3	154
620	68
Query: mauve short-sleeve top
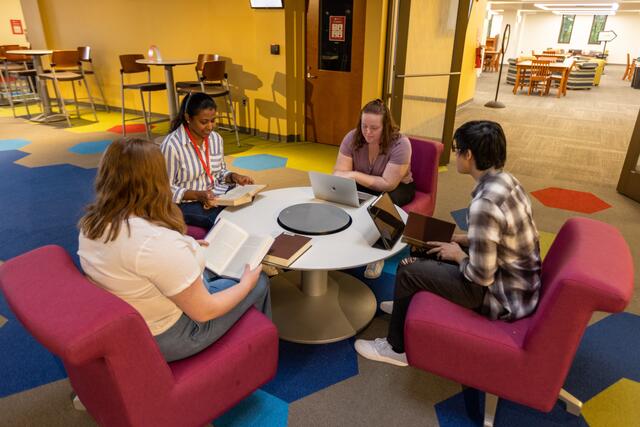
399	153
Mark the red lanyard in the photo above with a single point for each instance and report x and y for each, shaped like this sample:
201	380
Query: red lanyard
206	165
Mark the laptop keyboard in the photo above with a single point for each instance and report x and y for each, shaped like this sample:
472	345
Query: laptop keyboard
363	197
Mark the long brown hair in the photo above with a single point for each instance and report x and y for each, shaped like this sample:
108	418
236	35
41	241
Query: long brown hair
131	181
390	131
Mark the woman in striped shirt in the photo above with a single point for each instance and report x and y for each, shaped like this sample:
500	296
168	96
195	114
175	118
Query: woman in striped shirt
194	154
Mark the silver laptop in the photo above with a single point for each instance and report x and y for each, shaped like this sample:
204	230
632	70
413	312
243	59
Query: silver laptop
337	189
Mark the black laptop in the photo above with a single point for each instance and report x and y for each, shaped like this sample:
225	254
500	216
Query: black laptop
387	220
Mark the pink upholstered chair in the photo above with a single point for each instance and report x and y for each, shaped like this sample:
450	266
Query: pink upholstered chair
588	268
425	157
112	360
196	232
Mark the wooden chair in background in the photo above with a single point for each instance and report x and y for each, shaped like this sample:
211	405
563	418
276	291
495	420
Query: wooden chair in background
185	87
66	67
628	72
130	66
540	73
561	80
88	69
495	61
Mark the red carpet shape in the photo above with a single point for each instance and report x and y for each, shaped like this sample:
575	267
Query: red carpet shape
571	200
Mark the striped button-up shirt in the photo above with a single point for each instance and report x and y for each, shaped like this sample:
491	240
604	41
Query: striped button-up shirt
185	169
504	251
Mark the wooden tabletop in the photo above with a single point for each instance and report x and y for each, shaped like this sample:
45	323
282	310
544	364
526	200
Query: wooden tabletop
166	61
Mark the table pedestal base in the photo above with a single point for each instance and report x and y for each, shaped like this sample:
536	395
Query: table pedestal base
318	307
48	118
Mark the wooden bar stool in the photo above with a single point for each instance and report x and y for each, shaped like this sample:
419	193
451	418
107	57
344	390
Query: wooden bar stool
18	80
87	65
130	66
185	87
214	83
66	67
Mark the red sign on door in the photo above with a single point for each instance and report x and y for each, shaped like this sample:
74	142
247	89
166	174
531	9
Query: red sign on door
336	28
16	26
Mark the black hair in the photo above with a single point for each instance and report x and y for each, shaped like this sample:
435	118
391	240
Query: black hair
486	141
192	104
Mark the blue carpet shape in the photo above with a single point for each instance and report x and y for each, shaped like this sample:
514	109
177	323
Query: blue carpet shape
304	369
259	409
24	363
92	147
12	144
460	217
453	413
41	205
610	350
259	162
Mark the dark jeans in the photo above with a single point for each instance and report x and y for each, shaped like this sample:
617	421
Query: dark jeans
402	195
195	214
436	277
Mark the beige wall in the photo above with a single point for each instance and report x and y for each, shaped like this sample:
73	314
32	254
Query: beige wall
11	9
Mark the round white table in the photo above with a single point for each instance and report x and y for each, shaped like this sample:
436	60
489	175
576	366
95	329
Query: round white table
313	303
168	65
37	54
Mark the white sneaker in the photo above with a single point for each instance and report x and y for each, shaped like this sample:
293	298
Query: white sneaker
386	307
380	350
374	270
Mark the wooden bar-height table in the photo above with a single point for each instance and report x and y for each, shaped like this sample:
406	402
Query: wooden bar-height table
168	65
47	115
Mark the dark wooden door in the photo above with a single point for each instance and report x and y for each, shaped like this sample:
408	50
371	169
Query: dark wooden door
334	58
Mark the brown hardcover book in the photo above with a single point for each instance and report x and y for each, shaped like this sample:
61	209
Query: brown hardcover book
239	195
421	229
287	248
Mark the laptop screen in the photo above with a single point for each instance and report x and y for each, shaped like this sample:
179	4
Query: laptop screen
387	220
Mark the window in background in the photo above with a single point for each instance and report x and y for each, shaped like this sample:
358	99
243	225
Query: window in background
597	25
566	28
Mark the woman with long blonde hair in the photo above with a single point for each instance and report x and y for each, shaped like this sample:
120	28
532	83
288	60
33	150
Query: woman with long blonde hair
132	244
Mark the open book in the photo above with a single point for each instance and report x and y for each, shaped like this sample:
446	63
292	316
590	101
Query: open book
421	229
231	247
239	195
287	248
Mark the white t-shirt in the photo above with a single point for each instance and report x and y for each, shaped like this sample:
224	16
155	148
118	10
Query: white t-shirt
144	268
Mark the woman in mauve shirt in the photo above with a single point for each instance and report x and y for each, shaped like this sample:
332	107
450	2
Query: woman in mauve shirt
378	157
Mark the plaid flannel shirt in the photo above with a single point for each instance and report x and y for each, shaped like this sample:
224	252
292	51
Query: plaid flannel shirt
504	251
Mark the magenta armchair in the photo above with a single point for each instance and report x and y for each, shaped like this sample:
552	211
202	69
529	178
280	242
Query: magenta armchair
588	268
112	360
425	158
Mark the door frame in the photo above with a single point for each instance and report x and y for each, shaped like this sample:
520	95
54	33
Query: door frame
357	56
629	182
395	84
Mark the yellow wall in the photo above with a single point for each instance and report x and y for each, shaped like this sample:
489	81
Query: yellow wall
468	74
183	30
273	86
374	49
